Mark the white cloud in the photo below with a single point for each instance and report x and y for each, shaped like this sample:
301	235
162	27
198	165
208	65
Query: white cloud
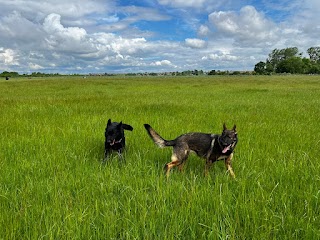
105	35
161	63
248	27
53	27
203	30
16	29
72	9
307	18
195	43
66	39
129	46
8	57
34	66
110	19
222	57
132	15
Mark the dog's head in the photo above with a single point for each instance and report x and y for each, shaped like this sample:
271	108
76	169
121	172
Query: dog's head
228	139
115	132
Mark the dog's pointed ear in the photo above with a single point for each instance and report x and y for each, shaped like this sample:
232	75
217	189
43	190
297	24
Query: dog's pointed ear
224	127
127	127
109	122
119	125
235	129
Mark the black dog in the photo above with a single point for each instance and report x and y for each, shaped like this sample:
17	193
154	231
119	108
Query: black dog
115	139
212	147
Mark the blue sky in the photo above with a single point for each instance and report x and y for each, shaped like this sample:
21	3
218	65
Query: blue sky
98	36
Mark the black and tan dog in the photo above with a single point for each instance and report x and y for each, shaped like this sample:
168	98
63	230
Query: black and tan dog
212	147
115	139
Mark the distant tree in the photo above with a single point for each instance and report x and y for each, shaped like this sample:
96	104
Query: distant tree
260	68
278	55
236	73
9	74
311	67
314	54
291	65
307	65
212	72
314	69
269	67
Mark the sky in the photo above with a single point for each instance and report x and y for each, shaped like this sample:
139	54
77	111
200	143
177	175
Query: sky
117	36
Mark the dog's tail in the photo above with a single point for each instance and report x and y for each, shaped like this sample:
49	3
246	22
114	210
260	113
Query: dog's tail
157	138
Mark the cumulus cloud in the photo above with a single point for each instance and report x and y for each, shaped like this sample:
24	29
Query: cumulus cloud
247	27
34	66
306	19
53	27
8	57
161	63
72	9
16	29
195	43
129	46
105	35
223	57
66	39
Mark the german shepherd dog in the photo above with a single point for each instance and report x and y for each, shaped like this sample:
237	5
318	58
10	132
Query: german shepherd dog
211	147
115	139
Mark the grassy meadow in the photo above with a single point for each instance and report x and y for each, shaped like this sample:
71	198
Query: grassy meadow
53	184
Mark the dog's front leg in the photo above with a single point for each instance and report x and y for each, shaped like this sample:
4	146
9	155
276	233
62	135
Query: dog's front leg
228	165
106	151
120	152
106	155
207	166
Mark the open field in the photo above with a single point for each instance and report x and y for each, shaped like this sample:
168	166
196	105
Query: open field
53	185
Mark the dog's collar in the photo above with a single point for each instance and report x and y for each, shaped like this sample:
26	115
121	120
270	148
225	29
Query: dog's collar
114	142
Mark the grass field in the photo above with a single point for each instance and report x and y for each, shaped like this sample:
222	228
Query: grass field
53	185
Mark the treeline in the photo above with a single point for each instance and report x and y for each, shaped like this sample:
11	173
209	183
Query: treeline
34	74
9	74
287	60
290	60
192	73
176	73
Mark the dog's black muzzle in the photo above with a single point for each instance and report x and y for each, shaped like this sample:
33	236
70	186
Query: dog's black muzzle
114	141
227	144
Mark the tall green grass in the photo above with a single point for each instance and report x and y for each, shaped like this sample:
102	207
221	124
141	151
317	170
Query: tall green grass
53	184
